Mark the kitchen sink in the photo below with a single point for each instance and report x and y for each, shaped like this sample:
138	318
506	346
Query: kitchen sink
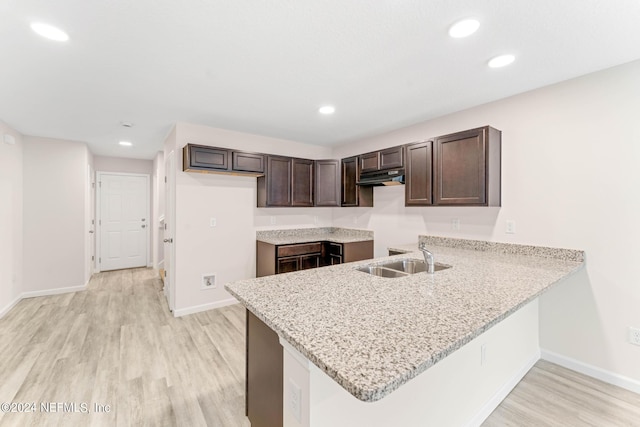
400	268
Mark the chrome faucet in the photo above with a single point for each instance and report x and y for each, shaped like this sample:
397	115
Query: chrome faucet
428	258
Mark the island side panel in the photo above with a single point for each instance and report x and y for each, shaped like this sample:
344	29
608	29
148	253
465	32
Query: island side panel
264	363
265	259
462	389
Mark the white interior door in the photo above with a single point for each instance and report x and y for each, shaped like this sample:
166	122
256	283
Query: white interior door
169	220
123	221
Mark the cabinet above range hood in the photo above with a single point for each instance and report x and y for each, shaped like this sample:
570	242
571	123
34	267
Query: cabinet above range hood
387	177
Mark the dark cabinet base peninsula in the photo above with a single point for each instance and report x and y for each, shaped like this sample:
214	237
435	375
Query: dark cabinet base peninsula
263	384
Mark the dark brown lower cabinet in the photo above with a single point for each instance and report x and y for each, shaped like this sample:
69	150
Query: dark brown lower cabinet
264	371
276	259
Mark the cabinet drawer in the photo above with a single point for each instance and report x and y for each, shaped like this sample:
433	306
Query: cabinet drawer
300	249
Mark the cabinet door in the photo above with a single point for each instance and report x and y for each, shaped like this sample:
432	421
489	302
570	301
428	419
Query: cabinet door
302	182
392	158
278	181
287	265
327	183
370	162
310	261
335	259
418	182
201	157
247	162
352	194
460	168
349	178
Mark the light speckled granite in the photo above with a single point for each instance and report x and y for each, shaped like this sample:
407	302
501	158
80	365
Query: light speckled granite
405	249
303	235
503	248
373	334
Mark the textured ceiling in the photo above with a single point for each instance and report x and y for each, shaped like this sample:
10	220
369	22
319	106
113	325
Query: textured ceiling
265	66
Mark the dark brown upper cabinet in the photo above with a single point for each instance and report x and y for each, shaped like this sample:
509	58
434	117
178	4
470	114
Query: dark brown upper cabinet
418	174
327	183
466	168
247	162
274	188
302	182
388	158
352	194
391	158
370	162
206	159
287	182
203	158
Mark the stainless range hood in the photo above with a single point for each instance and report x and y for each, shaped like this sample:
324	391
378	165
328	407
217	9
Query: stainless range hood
388	177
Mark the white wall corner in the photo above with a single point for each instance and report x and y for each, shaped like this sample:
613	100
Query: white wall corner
592	371
8	307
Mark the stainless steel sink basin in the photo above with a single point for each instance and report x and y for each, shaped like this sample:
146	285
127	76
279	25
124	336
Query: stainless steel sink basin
400	268
413	266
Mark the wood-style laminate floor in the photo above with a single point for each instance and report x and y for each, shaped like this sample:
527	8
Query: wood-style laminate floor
117	344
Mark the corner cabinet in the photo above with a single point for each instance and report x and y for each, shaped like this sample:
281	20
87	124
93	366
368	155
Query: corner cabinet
274	188
327	183
466	168
352	194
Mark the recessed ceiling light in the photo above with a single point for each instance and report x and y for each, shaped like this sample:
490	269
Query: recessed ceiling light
49	31
125	143
501	61
464	28
327	109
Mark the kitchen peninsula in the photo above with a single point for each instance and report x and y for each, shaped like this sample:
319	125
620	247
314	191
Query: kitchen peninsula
350	338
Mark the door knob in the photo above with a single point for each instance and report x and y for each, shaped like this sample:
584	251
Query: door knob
168	240
143	226
91	231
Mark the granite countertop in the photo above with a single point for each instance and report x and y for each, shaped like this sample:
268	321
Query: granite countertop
305	235
405	249
373	334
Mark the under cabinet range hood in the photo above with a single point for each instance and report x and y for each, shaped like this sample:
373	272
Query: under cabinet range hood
388	177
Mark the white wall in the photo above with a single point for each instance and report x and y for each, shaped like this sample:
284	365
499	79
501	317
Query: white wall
570	165
122	165
157	209
228	250
54	179
11	190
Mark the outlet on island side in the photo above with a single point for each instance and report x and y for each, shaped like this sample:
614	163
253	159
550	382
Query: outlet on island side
634	335
511	227
209	281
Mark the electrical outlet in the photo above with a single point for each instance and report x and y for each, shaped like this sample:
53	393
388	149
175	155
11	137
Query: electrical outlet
295	400
511	227
634	335
455	224
272	219
213	222
483	354
208	281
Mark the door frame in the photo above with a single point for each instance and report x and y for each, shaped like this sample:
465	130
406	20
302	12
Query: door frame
99	175
169	233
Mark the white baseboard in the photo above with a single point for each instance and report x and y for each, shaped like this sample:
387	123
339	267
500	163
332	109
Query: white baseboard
9	306
592	371
204	307
504	391
33	294
57	291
